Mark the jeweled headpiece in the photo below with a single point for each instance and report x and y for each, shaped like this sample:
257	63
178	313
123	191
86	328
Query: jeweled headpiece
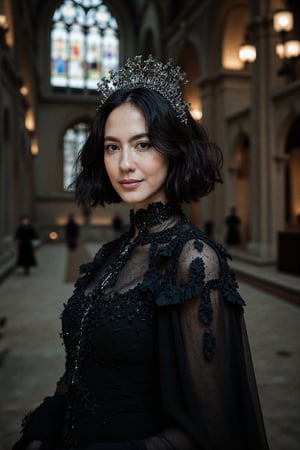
165	79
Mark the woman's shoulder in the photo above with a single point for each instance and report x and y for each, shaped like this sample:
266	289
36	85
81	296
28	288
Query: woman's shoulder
194	243
199	265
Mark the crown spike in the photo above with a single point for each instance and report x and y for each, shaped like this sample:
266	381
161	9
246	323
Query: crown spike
165	79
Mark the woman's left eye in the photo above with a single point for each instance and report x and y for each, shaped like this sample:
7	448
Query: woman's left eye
143	145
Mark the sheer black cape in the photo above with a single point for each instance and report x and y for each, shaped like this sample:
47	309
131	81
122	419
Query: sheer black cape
207	393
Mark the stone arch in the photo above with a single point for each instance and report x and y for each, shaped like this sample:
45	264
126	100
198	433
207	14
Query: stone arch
233	35
229	27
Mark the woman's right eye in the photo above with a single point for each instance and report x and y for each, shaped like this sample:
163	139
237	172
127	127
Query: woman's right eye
111	147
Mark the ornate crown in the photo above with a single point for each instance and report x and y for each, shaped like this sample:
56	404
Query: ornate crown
165	79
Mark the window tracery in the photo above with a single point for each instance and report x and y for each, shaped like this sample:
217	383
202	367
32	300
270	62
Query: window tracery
84	44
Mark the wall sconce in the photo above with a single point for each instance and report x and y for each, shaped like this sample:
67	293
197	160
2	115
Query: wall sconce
247	53
287	50
30	120
196	114
3	22
3	31
34	146
24	90
283	21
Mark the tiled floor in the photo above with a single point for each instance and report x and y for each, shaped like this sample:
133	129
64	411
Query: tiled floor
33	357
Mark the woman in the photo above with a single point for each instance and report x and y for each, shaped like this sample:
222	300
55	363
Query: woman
156	348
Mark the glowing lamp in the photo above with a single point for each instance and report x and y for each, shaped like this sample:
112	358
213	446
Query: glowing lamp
283	21
247	53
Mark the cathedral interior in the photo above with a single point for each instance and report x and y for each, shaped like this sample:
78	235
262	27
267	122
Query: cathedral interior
242	62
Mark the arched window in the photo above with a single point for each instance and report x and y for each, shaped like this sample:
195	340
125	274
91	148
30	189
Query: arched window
84	44
74	138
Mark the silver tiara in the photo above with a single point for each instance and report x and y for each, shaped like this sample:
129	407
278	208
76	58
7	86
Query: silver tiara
165	79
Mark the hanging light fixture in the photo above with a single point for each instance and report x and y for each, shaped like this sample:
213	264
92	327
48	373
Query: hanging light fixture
287	49
283	21
3	30
247	53
292	49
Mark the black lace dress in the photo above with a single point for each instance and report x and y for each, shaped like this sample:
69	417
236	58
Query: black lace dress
157	355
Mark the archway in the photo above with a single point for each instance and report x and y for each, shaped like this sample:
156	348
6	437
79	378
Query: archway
233	37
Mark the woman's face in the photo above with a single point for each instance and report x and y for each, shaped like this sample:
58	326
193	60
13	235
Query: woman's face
137	171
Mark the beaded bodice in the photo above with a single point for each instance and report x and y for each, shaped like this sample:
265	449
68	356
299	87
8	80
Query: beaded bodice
109	323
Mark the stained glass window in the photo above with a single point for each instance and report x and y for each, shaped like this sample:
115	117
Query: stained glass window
73	140
84	44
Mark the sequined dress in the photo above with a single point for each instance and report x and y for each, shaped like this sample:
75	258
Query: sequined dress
157	355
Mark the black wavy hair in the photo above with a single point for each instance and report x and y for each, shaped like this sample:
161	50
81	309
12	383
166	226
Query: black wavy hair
194	162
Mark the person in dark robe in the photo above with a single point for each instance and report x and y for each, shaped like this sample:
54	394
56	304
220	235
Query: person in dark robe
233	223
26	240
72	232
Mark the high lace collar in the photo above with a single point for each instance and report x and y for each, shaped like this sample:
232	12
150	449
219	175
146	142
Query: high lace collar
155	214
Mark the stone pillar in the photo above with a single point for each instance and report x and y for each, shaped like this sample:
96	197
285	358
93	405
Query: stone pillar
261	150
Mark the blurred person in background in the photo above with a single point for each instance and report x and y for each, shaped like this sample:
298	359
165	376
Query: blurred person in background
233	223
26	240
72	232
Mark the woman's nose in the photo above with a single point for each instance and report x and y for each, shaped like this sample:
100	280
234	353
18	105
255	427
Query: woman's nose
126	159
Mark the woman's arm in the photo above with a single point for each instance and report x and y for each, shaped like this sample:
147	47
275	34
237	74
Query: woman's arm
208	386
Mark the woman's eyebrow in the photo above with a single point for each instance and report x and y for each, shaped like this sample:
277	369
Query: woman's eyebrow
133	138
139	136
110	138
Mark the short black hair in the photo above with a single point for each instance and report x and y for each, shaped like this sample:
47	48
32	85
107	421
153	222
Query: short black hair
194	162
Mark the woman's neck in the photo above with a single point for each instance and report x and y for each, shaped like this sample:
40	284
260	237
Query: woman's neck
150	218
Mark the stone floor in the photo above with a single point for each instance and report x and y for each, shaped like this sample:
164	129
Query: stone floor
32	357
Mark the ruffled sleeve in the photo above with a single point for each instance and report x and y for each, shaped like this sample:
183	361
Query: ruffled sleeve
208	387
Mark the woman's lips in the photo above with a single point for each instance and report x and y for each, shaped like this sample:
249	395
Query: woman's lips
130	184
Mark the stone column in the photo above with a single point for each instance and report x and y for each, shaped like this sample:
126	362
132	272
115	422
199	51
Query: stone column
261	151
